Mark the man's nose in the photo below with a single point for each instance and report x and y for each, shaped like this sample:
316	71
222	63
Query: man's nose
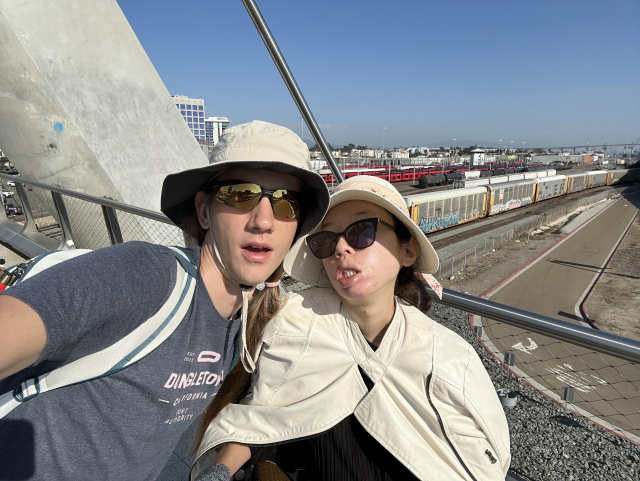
261	216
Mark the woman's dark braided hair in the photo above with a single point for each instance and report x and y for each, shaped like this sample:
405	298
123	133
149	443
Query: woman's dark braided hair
410	288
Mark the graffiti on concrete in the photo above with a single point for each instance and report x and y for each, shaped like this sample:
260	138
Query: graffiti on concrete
509	205
436	222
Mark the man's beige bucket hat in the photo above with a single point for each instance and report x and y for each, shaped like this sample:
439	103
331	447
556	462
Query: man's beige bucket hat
303	266
256	145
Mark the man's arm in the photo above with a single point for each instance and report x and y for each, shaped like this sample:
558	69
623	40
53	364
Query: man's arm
22	336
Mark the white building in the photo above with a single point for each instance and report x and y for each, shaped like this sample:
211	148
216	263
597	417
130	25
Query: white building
192	111
214	126
399	154
366	153
478	157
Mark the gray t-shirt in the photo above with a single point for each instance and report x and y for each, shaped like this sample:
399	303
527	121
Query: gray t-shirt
126	425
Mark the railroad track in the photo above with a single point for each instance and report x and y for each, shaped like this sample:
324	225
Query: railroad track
527	211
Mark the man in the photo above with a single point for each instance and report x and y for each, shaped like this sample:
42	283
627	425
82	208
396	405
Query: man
246	209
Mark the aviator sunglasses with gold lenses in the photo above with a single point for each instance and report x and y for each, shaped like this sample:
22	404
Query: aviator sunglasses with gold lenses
246	195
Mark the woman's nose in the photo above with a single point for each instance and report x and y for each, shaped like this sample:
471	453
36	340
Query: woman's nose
343	247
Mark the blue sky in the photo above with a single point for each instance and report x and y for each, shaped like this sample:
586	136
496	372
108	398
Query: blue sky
559	72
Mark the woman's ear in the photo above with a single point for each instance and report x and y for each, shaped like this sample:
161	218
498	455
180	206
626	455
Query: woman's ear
201	211
410	253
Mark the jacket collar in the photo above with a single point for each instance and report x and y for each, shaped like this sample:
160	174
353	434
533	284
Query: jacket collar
373	363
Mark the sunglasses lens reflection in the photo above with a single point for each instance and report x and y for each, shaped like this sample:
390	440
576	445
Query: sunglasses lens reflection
361	235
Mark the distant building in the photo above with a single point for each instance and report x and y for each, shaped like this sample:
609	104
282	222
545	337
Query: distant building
206	146
192	111
399	154
477	157
214	127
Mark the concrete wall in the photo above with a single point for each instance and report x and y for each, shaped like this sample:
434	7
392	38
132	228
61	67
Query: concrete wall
82	106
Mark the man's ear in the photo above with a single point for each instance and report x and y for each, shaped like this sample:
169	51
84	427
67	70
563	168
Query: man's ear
201	211
410	253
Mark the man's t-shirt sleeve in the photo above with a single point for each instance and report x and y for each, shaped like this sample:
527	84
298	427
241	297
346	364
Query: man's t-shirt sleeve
89	302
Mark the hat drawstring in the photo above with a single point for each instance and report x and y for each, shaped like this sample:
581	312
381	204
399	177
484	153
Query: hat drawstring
245	356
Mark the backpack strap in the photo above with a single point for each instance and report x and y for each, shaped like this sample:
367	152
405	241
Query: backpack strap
127	351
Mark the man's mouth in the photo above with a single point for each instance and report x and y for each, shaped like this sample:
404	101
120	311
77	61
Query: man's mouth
256	252
257	248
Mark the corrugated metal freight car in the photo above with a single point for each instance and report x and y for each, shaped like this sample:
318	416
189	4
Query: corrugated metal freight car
513	177
615	175
548	187
511	195
498	179
438	210
577	182
464	184
597	178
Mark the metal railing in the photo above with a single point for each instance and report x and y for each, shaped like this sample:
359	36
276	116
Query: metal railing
57	218
108	221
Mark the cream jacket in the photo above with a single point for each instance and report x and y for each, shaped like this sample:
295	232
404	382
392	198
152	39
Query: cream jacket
432	406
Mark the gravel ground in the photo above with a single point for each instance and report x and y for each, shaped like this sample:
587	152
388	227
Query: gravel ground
547	443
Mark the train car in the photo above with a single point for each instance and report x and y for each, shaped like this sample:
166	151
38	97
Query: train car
472	174
438	210
466	183
486	173
551	172
513	177
577	182
510	195
597	178
615	175
501	179
548	187
530	175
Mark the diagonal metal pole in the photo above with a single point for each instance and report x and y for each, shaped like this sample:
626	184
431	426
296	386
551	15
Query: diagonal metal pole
292	85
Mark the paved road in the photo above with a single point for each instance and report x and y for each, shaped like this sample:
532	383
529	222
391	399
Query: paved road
605	387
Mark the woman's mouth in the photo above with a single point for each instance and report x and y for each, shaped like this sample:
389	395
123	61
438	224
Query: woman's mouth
347	277
349	273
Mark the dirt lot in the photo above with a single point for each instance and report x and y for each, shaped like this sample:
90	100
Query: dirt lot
615	302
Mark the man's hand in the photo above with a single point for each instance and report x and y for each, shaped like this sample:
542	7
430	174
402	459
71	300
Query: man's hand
22	336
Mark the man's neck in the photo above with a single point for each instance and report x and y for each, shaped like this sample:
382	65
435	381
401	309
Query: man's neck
373	314
225	294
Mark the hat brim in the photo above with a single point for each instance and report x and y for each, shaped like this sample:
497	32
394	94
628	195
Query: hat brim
179	190
303	266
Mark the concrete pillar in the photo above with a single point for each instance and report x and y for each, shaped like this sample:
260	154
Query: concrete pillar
82	106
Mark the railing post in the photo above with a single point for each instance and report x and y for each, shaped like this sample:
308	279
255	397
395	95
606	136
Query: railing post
67	236
113	226
3	214
29	222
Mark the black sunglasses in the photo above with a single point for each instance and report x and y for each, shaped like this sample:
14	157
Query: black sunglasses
246	195
359	235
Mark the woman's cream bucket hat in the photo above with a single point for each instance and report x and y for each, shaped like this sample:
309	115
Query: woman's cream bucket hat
303	266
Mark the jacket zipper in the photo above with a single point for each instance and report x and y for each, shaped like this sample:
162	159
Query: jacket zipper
444	432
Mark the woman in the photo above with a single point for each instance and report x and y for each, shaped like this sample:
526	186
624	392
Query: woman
356	374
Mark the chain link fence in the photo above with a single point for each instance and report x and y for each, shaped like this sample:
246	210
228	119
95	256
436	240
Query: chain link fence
90	222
